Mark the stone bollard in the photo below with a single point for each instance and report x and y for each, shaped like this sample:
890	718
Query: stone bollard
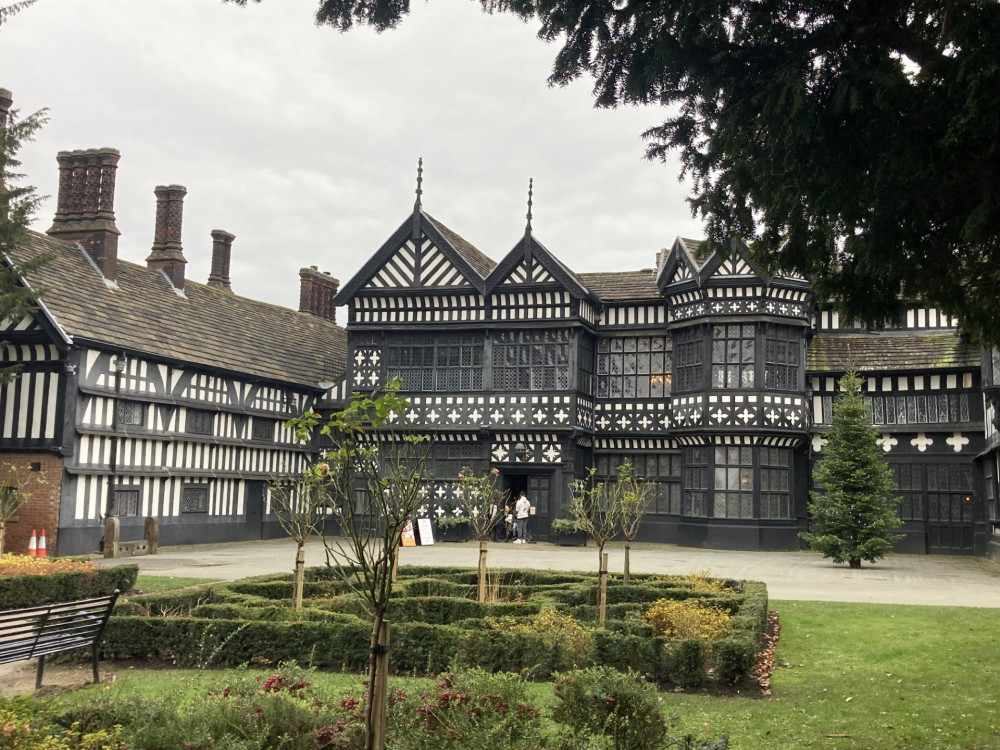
151	533
112	533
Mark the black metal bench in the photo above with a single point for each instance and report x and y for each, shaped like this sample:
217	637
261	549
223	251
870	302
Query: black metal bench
37	632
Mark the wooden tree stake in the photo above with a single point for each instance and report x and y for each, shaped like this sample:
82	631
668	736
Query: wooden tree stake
602	590
300	575
381	688
482	571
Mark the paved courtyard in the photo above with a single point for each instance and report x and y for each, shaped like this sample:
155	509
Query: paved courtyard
803	576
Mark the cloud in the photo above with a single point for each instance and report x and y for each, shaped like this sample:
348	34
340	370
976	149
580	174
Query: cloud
303	141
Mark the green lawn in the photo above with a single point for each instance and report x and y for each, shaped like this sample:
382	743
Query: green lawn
869	676
848	676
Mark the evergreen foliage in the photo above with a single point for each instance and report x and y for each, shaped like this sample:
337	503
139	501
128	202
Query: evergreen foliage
17	204
852	141
855	513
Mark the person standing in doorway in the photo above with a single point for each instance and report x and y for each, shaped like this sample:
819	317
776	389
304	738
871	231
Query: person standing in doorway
522	509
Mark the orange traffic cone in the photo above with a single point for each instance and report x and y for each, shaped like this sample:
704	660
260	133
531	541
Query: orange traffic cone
33	545
41	545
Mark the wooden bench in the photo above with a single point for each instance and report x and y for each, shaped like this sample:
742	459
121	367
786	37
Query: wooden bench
39	631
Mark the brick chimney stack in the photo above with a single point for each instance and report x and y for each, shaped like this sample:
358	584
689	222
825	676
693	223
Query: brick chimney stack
85	209
168	254
222	250
316	293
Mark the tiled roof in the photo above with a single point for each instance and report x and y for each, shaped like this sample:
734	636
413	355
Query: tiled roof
481	262
621	285
888	351
694	249
208	326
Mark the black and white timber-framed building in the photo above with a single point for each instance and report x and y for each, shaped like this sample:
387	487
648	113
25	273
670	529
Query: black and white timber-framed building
713	378
143	394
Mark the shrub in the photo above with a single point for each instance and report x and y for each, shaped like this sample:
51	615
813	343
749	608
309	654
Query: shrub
602	702
734	658
690	618
560	634
685	663
20	591
23	726
472	709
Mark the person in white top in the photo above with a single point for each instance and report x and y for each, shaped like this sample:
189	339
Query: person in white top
522	509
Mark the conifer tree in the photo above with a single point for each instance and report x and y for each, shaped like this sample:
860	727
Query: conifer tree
17	204
854	511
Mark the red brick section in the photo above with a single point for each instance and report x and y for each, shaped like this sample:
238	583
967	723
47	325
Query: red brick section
316	293
222	250
85	210
168	254
42	510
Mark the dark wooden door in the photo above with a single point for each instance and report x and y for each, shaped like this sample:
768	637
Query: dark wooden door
538	493
949	524
255	496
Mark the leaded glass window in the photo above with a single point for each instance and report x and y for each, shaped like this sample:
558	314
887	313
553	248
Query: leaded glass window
124	502
733	356
130	412
440	363
775	483
634	367
734	485
194	498
910	483
200	422
585	362
662	469
782	358
949	492
913	408
695	482
263	429
533	360
447	460
688	352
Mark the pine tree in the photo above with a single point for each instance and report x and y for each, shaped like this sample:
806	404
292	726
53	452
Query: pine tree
854	512
17	204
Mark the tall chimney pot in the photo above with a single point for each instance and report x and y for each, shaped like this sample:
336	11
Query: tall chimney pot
316	293
222	249
85	208
167	253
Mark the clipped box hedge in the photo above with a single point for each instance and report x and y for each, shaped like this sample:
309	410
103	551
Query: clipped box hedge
19	592
437	625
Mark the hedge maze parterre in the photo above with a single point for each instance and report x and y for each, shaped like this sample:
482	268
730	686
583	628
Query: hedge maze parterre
540	623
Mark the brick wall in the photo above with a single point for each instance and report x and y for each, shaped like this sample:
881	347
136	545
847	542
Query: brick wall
42	510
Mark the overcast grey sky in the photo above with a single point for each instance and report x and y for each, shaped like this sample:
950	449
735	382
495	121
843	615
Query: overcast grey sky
303	142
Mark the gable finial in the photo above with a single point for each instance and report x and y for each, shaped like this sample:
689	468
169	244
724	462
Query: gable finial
420	182
531	185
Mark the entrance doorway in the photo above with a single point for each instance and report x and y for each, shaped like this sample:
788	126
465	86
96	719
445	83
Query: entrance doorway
536	488
256	494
